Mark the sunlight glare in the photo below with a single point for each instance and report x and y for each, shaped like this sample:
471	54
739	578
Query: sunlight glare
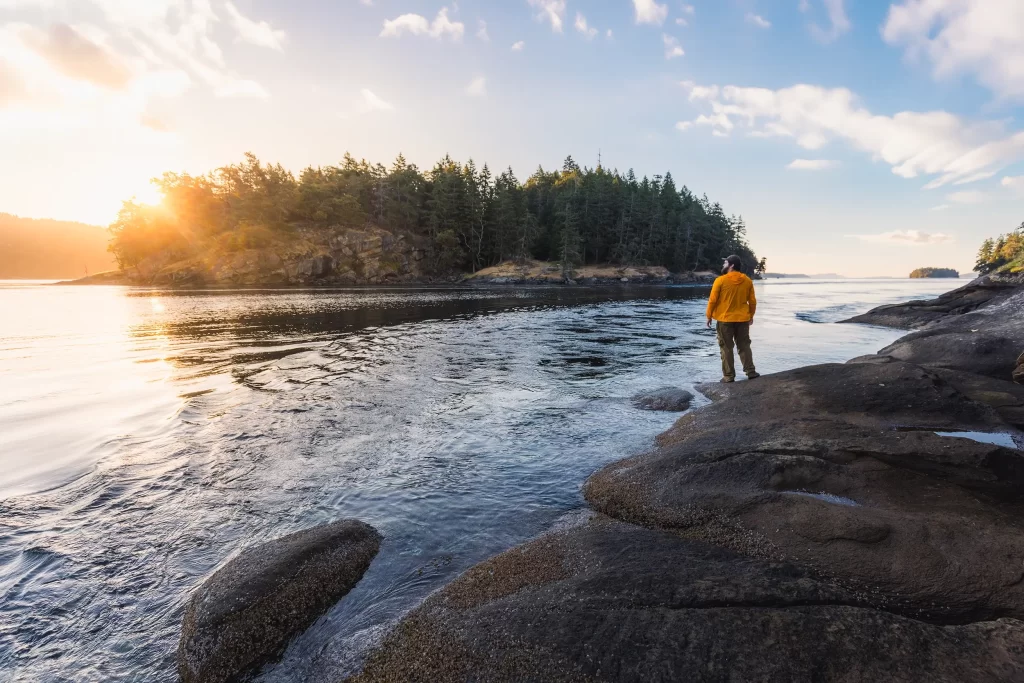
148	193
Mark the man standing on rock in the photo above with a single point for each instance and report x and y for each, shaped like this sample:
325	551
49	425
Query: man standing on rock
732	305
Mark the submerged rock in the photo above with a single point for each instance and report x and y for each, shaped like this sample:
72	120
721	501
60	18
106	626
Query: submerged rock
669	399
245	614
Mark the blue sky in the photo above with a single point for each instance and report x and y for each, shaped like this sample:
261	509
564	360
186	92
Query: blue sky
863	138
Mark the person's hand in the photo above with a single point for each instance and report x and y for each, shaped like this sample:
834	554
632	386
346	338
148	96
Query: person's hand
709	323
751	322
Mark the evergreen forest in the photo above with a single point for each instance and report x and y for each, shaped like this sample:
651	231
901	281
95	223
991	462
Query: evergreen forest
466	217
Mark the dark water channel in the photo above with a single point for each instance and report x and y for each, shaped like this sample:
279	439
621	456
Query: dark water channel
147	436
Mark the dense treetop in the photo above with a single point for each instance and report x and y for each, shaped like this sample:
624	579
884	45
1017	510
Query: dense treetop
1004	252
934	272
467	218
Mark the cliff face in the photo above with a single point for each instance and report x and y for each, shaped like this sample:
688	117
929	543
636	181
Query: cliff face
370	255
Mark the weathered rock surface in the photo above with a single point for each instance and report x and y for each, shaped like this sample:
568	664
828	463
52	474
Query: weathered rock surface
900	513
245	614
916	314
1018	373
808	526
616	602
669	399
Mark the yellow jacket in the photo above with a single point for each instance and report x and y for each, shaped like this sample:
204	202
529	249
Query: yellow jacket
732	299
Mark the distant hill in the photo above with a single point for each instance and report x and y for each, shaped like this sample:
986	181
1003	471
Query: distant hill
816	276
934	272
43	248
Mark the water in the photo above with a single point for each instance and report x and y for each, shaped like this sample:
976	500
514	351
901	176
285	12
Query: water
147	436
994	438
826	497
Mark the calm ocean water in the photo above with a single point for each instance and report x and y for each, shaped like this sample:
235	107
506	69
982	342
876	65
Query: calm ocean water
147	436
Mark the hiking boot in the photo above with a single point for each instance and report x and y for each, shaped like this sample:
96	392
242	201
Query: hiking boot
754	375
727	380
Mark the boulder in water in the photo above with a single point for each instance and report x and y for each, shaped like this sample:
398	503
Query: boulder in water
245	614
669	399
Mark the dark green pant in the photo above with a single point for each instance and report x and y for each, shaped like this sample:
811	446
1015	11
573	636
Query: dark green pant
738	334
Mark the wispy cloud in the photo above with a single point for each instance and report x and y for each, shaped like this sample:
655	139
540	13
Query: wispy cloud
518	46
672	47
839	23
367	102
758	21
934	143
582	26
481	32
417	25
477	87
906	237
552	11
968	197
649	12
812	164
1015	183
255	32
370	102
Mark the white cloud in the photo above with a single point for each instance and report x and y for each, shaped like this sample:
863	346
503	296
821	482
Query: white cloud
256	32
582	26
968	197
552	11
477	87
649	12
839	22
940	207
812	164
608	34
907	237
518	46
689	9
481	32
684	125
370	102
805	5
984	38
681	22
934	143
758	21
672	48
1015	183
419	26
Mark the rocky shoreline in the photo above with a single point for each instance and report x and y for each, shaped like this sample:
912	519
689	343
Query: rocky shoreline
816	524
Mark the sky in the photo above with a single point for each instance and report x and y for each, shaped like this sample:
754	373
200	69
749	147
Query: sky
864	138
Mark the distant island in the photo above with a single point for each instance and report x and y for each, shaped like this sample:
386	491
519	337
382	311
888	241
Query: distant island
362	223
46	249
934	272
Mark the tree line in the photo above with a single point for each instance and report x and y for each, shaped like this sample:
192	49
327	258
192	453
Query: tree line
1004	250
467	218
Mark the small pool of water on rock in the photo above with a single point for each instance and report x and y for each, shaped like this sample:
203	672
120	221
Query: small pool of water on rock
995	438
827	497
